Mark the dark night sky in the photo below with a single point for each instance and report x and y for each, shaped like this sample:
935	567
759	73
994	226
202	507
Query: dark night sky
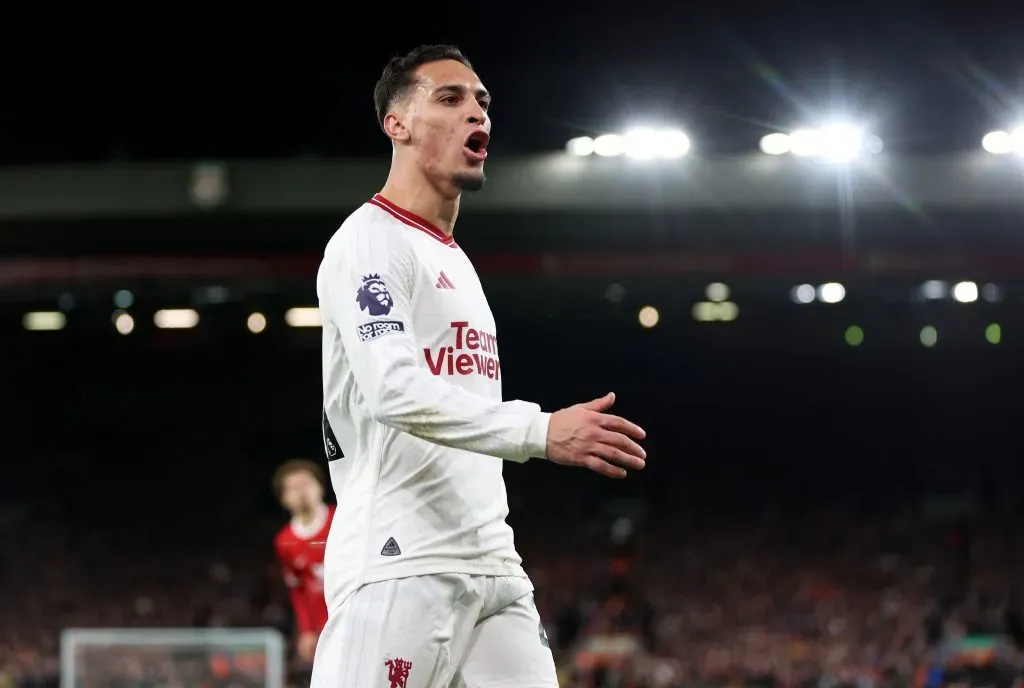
926	75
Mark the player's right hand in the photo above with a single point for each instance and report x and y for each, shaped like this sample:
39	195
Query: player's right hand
584	435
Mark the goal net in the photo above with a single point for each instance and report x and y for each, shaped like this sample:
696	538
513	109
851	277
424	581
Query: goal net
172	658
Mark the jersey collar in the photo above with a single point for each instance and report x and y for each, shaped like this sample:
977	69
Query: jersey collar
414	221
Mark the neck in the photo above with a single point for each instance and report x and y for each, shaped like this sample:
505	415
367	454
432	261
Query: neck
306	517
410	190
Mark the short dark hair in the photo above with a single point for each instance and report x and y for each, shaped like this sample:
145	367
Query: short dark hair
296	466
400	74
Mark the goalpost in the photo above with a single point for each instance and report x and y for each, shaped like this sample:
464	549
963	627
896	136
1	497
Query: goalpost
112	657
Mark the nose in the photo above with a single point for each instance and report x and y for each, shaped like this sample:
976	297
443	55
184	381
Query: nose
476	115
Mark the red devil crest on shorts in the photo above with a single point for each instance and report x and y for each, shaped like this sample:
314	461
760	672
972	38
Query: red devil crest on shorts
398	672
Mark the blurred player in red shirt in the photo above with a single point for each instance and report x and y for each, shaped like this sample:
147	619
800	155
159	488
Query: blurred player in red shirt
299	486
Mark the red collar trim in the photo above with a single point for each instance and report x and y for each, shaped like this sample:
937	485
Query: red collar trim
414	221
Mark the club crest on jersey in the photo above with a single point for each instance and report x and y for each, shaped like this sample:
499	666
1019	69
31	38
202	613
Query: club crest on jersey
398	671
373	296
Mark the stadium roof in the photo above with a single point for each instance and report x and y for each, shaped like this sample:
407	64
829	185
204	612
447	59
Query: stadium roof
552	183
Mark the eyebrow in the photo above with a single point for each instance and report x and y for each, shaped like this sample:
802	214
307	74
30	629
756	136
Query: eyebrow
459	89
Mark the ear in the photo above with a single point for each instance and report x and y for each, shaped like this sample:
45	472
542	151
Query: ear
395	128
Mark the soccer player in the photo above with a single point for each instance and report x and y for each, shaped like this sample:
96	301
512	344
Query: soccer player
299	486
423	582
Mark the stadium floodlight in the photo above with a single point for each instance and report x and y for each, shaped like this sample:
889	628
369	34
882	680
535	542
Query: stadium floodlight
775	144
308	316
580	146
609	145
715	311
838	143
966	292
176	319
717	292
842	142
123	322
648	316
834	143
831	292
256	322
934	290
997	143
642	143
645	143
1017	136
43	321
802	293
1004	142
805	143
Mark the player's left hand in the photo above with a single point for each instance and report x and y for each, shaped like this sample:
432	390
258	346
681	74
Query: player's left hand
306	647
585	435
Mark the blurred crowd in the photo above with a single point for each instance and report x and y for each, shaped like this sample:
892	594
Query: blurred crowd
630	598
823	602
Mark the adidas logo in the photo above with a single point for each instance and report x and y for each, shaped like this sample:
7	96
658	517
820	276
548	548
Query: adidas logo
444	283
391	548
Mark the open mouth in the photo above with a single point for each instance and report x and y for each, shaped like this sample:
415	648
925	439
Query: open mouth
476	145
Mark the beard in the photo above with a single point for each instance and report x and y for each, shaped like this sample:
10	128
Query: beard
469	181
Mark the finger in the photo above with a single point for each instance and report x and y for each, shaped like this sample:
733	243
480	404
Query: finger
600	404
599	465
617	424
620	441
620	458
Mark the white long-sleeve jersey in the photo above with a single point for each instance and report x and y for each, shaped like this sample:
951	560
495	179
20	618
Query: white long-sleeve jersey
412	392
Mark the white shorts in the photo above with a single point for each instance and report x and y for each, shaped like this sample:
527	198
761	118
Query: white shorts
441	631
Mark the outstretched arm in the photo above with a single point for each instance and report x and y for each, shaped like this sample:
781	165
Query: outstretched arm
377	330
